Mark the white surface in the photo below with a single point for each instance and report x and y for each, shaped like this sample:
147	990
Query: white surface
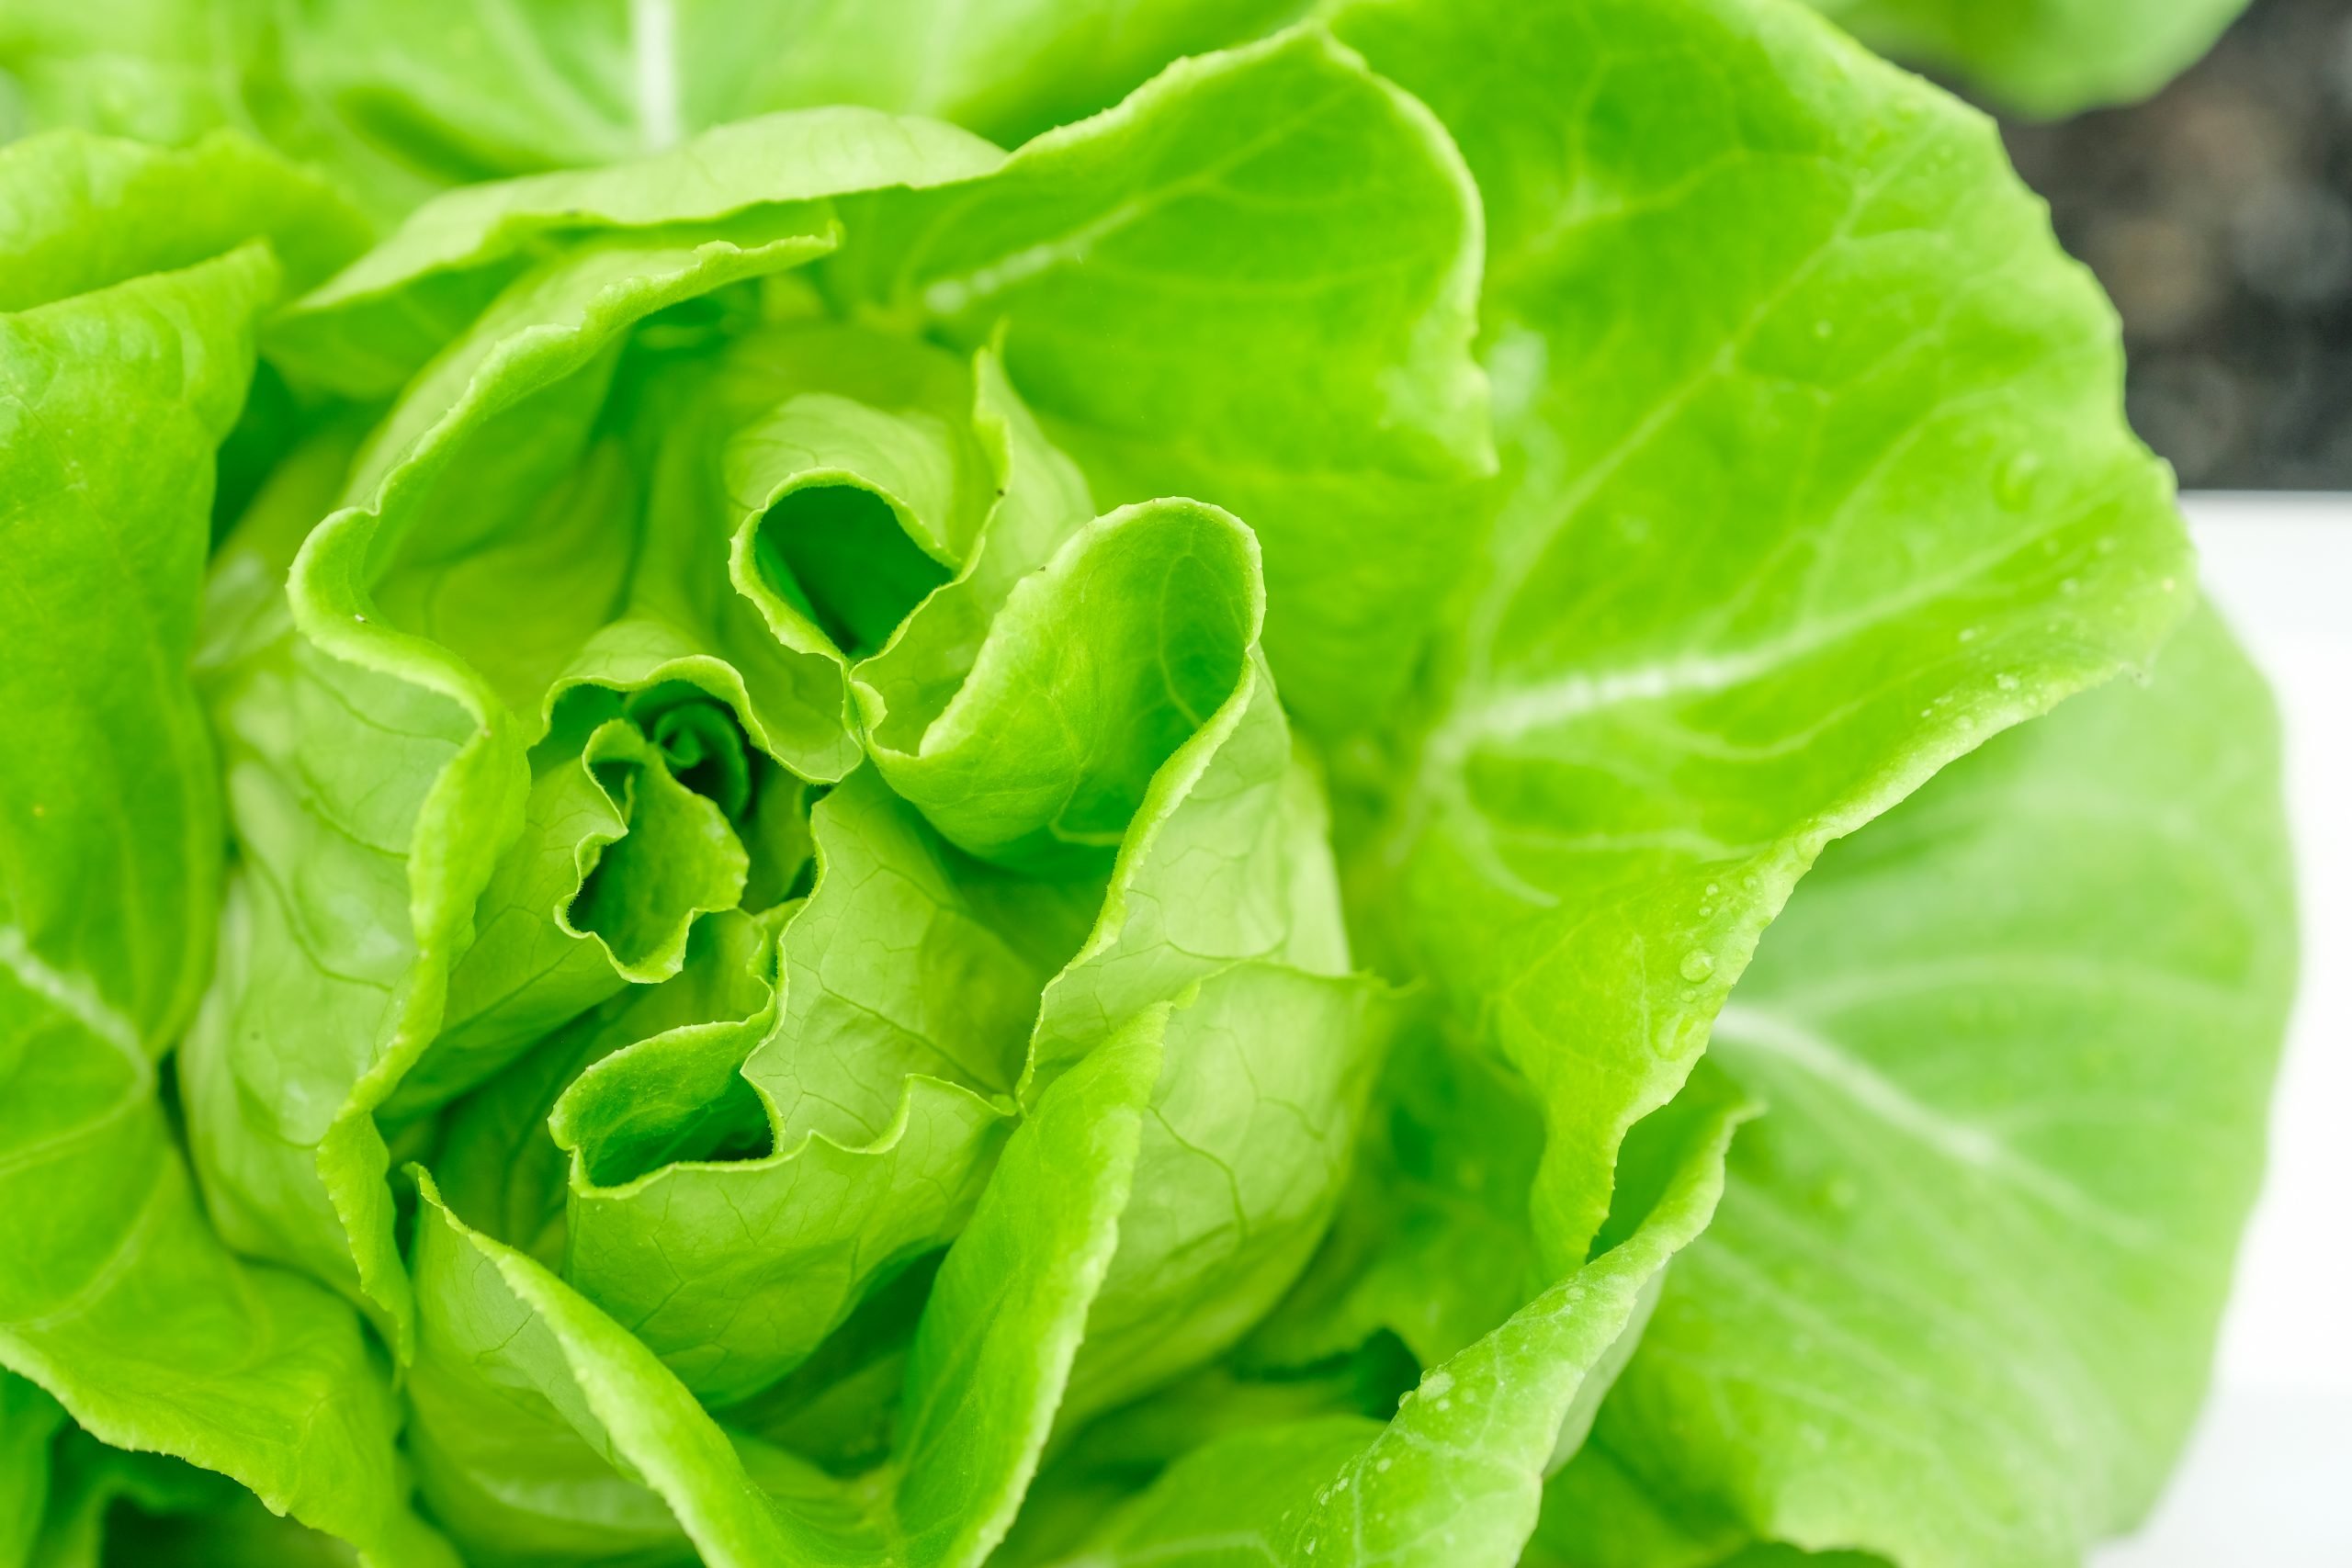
2269	1478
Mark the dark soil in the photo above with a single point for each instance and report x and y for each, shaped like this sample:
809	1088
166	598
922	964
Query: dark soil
2219	215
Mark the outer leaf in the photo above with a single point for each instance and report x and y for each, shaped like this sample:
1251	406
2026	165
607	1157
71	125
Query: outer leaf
1008	69
1818	477
63	232
2017	1041
605	81
1184	295
117	1296
401	102
2048	57
158	70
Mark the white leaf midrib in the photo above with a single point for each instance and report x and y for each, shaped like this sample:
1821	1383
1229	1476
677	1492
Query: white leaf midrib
653	59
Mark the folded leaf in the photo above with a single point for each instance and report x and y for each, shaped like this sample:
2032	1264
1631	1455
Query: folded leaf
1254	1122
369	328
1456	1475
617	858
880	1088
544	1426
496	1161
370	829
1183	295
1096	669
66	233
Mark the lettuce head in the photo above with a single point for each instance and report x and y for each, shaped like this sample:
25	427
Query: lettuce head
1083	783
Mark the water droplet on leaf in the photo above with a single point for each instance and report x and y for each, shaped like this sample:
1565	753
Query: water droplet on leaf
2013	487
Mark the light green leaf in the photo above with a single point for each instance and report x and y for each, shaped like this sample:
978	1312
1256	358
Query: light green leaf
542	1425
118	1298
365	331
852	479
371	824
785	475
1041	500
1455	1477
109	1506
880	1098
1230	1503
1094	671
63	232
1183	293
1008	69
2045	57
1223	901
1958	1304
402	100
1226	863
615	860
1253	1124
498	1164
1007	1312
1818	477
163	71
909	958
1431	1242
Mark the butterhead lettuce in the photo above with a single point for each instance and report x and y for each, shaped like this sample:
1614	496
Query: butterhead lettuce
805	785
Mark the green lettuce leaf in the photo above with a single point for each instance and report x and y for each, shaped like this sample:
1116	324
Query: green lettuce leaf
373	326
1793	521
107	1506
616	860
399	102
2045	57
398	796
118	1298
1181	291
879	1092
543	1425
1456	1475
1958	1304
